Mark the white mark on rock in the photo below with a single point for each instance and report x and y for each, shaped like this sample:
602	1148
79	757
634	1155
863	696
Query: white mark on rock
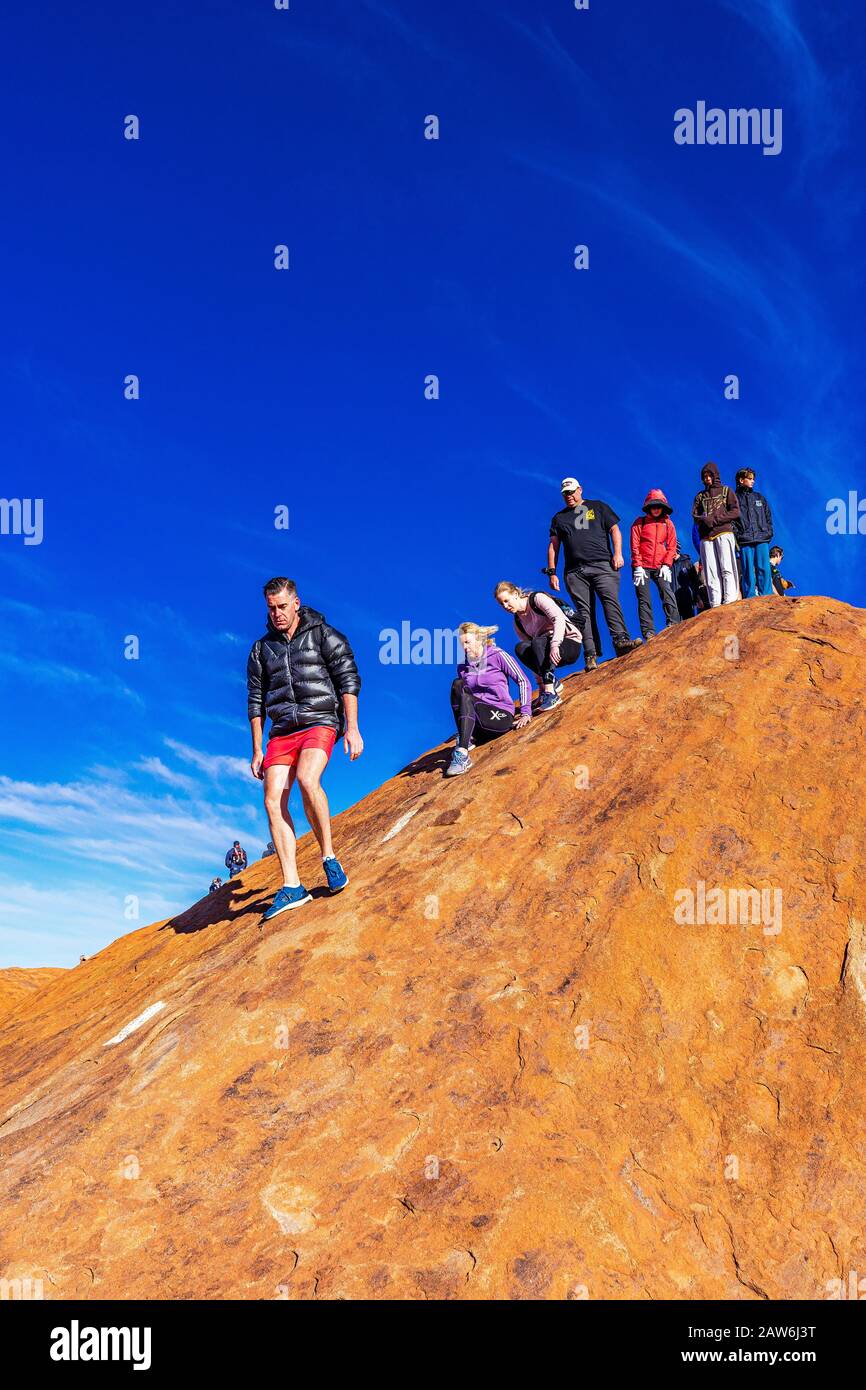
288	1206
135	1024
855	962
398	825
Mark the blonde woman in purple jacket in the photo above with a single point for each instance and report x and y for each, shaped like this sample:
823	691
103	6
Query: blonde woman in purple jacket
481	701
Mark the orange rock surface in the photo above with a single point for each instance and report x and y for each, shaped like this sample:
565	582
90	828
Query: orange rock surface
499	1065
19	984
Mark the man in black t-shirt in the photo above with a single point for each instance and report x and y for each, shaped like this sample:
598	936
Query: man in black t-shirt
589	534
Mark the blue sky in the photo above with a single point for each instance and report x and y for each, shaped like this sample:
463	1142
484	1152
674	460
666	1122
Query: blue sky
305	388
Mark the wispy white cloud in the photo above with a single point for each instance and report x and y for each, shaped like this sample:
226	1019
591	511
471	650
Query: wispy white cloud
53	673
555	54
18	609
170	627
75	620
811	446
533	475
155	767
160	847
214	765
158	836
416	36
80	637
715	267
345	59
820	106
238	726
565	423
55	925
151	832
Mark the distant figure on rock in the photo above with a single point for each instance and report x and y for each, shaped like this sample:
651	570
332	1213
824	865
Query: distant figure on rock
215	885
480	698
236	859
754	531
269	850
653	551
302	675
703	596
590	536
780	585
686	585
715	510
548	637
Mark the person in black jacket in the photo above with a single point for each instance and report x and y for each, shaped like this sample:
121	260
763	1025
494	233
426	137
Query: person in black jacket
236	859
302	675
753	531
686	585
780	585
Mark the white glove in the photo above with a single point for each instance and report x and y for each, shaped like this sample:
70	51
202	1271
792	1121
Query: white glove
665	573
639	577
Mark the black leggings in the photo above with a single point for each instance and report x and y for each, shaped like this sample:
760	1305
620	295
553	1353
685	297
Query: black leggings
476	723
535	654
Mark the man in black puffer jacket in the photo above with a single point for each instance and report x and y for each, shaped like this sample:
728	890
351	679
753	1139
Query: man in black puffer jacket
302	675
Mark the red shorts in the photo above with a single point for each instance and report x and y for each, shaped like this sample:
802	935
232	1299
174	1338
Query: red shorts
285	751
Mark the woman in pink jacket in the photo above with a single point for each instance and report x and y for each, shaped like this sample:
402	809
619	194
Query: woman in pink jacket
653	551
549	638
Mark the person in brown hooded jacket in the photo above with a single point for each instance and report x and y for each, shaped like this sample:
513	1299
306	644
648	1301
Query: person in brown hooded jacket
715	510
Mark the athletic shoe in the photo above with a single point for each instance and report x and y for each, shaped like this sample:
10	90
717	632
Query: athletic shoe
460	762
591	663
334	873
286	899
557	687
549	700
628	646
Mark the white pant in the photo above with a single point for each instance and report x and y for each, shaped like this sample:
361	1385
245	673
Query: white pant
719	564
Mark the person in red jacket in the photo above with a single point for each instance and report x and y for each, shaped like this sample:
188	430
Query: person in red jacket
653	550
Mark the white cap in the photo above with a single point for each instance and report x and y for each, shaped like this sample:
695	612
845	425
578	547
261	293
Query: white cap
569	485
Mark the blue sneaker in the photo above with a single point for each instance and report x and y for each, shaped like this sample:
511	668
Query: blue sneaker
549	700
337	879
460	762
557	687
286	898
